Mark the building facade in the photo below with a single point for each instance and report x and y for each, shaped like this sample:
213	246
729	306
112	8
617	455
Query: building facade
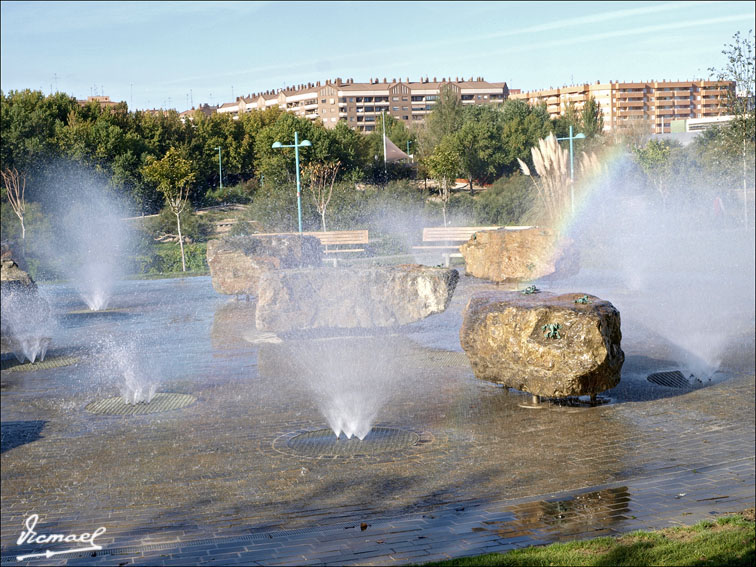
653	105
360	104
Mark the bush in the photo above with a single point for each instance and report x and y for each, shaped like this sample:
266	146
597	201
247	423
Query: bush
192	225
506	202
241	193
166	258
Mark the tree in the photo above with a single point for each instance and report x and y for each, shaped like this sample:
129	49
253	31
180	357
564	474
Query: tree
653	158
592	119
173	176
740	69
15	187
320	178
478	142
444	164
445	119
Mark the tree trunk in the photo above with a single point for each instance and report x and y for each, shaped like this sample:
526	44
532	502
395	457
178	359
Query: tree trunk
23	228
472	191
745	190
181	243
322	219
444	199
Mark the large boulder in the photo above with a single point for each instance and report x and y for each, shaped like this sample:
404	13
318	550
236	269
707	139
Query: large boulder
237	263
519	255
311	298
511	338
25	320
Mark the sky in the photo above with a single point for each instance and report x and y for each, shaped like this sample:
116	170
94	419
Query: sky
182	54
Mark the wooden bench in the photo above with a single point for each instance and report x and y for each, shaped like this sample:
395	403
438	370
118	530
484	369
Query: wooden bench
453	237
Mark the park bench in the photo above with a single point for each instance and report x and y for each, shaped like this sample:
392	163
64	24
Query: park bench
452	237
333	241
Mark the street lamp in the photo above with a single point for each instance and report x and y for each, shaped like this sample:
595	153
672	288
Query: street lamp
579	136
296	146
220	166
408	145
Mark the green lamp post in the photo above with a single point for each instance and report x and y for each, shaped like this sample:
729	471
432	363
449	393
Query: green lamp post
296	145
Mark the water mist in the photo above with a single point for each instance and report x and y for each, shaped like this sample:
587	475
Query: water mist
682	269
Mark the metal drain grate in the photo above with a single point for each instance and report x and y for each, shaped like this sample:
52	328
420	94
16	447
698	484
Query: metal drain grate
112	310
43	365
673	379
160	402
323	443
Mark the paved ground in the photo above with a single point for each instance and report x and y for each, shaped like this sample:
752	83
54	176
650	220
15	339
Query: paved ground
214	483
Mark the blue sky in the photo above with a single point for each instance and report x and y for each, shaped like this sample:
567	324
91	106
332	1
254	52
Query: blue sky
159	54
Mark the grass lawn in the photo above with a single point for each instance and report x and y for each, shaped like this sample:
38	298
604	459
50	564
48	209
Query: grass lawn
728	541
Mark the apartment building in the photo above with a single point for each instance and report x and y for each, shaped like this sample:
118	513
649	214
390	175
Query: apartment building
360	104
652	104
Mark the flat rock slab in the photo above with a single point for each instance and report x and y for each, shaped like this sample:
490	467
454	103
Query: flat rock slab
519	255
504	338
311	298
236	263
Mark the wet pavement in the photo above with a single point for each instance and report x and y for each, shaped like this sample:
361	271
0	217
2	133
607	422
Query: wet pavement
219	481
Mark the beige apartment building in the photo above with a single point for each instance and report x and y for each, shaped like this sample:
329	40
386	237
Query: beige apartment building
360	104
653	104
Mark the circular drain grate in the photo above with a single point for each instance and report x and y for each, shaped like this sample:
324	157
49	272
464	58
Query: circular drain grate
54	362
323	443
160	402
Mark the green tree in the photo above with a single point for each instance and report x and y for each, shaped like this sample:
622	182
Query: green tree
523	127
739	68
444	164
173	176
654	160
591	119
478	142
445	119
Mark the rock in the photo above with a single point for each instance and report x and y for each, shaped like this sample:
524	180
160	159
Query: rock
25	321
310	298
236	263
504	338
519	255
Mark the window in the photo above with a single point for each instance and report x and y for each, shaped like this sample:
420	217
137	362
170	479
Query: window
334	119
351	119
359	118
395	108
418	98
370	119
431	97
395	98
404	99
351	99
322	101
405	108
369	109
405	117
368	99
359	99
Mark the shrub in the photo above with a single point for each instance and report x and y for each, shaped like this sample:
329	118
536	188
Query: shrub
506	202
240	193
166	258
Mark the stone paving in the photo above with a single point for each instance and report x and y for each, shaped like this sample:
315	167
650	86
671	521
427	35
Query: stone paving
214	483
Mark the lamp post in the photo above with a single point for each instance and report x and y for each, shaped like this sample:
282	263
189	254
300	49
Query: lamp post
296	146
220	167
579	136
408	145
